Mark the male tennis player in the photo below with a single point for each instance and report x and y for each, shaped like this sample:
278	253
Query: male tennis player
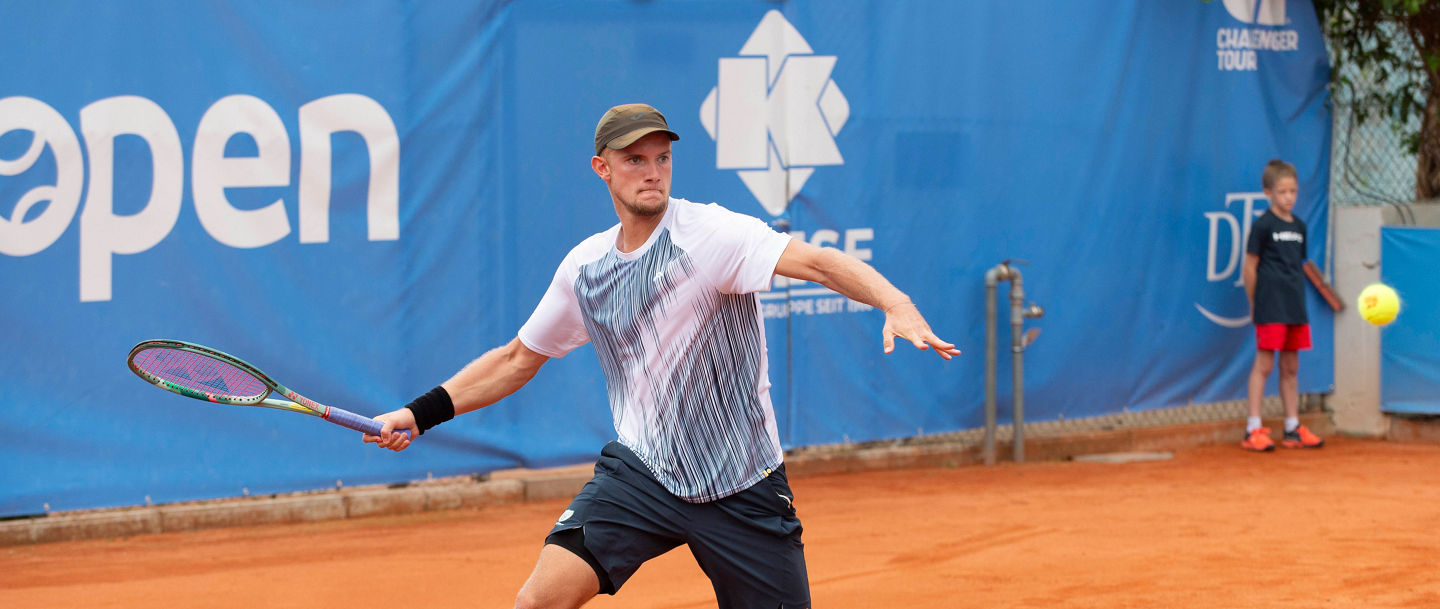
667	296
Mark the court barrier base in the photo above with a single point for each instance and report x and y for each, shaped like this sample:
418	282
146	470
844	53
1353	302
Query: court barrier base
1050	441
1416	429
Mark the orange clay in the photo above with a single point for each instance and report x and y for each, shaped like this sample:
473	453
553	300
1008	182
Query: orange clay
1347	526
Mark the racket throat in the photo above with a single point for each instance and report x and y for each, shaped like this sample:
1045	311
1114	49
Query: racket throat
318	408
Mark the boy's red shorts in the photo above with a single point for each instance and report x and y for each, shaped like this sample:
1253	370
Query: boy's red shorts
1282	337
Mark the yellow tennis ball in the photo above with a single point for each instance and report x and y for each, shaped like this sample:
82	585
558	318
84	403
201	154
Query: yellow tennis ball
1379	304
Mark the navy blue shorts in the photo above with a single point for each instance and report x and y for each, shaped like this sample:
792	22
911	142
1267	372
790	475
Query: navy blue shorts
748	543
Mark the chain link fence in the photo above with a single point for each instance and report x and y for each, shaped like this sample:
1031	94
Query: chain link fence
1369	163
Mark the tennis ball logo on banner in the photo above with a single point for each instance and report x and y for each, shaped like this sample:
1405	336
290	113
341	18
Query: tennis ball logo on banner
1237	49
775	112
1261	12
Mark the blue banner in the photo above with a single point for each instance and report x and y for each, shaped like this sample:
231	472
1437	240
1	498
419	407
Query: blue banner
361	198
1410	345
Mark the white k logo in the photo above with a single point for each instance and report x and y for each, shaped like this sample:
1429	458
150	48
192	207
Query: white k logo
775	113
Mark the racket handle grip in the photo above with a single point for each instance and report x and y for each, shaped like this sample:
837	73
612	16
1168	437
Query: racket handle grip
340	416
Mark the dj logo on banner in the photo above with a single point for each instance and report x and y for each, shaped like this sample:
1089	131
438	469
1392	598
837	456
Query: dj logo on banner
1230	226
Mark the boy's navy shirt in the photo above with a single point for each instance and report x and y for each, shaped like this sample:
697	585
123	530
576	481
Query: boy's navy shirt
1280	278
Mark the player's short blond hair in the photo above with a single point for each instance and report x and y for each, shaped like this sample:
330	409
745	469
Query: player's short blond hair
1276	169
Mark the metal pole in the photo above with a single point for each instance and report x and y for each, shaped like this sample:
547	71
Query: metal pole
991	279
1018	341
1017	358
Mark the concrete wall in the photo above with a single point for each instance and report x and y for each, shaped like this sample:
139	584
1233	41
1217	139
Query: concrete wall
1356	399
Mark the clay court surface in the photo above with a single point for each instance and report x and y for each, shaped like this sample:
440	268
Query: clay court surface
1351	525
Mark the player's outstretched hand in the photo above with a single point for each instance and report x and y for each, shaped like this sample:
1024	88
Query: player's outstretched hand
904	320
394	421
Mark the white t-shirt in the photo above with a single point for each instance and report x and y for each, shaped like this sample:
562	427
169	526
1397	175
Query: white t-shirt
680	337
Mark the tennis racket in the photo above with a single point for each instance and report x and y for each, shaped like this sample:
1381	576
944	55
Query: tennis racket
199	372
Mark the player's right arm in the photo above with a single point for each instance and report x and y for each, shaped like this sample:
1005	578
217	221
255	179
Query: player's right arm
484	381
555	328
493	376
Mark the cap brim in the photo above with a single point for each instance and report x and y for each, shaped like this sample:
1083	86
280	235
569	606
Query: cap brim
625	140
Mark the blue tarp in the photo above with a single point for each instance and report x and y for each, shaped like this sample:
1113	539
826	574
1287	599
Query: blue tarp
361	197
1410	345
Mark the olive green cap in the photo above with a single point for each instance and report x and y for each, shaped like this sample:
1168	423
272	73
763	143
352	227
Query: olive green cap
624	124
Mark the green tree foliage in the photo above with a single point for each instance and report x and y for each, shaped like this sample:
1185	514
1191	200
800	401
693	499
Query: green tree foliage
1395	46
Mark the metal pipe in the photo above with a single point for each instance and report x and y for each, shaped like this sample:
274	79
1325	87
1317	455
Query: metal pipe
992	277
1017	363
1018	341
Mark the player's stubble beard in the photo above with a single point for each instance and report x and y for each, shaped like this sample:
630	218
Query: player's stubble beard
645	209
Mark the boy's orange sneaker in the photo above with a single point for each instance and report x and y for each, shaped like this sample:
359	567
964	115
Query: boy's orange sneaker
1301	438
1259	440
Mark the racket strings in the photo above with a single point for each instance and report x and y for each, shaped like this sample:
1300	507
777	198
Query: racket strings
199	372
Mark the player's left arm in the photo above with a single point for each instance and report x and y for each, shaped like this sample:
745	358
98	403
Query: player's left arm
860	282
